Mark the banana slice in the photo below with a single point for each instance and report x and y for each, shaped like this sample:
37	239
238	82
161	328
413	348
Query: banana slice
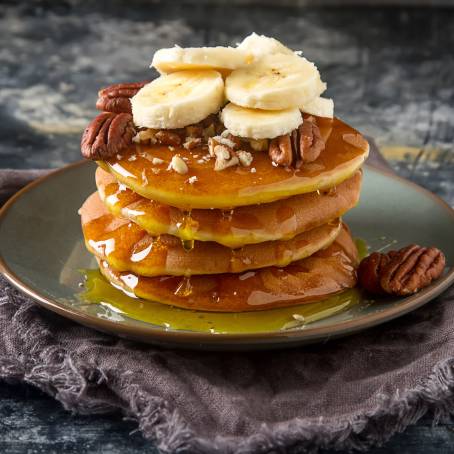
178	99
275	82
260	124
260	45
222	59
321	107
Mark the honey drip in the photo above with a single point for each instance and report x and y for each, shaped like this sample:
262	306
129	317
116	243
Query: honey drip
184	289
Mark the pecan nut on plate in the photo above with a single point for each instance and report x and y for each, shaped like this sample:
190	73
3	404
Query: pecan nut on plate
401	272
108	134
116	98
301	146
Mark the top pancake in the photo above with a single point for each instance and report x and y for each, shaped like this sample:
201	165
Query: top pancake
344	153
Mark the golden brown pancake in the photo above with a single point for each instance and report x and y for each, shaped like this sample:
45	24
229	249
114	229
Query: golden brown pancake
325	273
344	154
273	221
127	247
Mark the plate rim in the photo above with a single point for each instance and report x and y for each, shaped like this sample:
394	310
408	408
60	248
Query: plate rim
158	334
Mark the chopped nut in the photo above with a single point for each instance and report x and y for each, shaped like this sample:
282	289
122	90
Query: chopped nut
178	165
157	161
253	170
148	135
192	142
224	158
192	180
168	138
221	152
245	158
229	142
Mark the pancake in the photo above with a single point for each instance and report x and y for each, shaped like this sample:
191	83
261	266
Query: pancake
127	247
344	154
325	273
273	221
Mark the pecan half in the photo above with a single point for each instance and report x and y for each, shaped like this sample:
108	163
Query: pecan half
413	268
301	146
369	272
281	151
116	98
108	134
311	143
401	272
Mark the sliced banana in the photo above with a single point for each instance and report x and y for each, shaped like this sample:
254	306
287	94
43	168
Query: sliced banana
260	124
222	59
260	45
178	99
275	82
322	107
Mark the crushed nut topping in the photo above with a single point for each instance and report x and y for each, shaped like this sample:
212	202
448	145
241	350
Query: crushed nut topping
168	138
178	165
245	158
147	135
224	157
192	142
192	180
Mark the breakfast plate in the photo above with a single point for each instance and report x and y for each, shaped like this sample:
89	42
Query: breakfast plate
42	253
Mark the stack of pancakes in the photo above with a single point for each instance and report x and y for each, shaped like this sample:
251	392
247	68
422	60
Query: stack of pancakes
230	241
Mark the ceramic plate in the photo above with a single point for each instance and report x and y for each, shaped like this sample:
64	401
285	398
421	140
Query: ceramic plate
42	253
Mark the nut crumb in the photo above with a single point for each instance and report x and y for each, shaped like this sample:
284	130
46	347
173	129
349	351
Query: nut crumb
178	165
192	180
192	142
253	170
157	161
245	158
147	135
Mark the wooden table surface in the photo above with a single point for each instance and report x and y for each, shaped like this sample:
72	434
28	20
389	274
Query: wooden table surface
389	70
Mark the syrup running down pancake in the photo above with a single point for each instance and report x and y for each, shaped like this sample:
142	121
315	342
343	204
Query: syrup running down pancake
344	153
234	228
127	247
327	272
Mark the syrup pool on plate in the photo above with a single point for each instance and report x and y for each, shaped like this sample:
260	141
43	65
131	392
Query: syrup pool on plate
99	291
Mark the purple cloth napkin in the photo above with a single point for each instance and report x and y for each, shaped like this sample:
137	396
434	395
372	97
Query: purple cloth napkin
347	393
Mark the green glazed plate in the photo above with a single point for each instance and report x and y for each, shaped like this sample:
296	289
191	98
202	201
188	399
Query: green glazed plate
42	253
